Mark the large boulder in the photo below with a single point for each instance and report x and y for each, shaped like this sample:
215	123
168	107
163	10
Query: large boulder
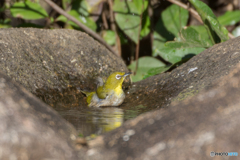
202	115
29	128
198	100
186	80
48	62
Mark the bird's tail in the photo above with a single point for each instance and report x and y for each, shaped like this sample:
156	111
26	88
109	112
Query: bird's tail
89	95
85	92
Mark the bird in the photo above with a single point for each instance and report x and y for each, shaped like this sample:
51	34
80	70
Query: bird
109	93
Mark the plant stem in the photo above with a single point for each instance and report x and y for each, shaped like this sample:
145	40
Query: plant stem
114	28
86	29
138	44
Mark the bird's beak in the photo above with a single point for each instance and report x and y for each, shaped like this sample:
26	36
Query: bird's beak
126	74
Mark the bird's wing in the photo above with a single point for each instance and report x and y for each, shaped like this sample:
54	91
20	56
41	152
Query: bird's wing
89	97
99	82
102	93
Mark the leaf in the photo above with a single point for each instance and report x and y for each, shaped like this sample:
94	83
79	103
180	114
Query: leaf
220	30
215	30
203	32
175	52
109	36
81	7
129	24
229	18
158	43
132	7
145	24
190	43
5	23
174	18
236	31
66	3
80	10
191	37
127	16
85	20
28	10
155	71
144	65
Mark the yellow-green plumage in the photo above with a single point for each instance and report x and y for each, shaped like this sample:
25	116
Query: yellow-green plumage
108	94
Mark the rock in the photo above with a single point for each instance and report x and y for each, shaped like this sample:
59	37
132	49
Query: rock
186	80
48	62
199	103
29	128
191	127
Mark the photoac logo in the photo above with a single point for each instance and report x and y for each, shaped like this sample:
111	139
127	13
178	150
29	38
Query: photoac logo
212	154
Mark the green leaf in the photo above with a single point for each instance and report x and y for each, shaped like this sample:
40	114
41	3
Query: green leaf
51	19
174	18
5	23
81	7
28	10
144	65
145	24
129	24
236	31
204	33
220	30
85	20
175	52
158	43
127	16
216	32
229	18
66	3
155	71
80	10
109	36
191	37
132	7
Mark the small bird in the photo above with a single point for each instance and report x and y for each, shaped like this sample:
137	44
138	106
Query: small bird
109	93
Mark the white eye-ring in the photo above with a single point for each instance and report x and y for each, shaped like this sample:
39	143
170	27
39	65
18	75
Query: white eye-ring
118	76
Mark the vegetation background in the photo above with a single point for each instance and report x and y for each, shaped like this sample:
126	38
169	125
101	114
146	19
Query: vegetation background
152	36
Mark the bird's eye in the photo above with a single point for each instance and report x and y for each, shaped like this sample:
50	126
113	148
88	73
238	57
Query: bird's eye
118	76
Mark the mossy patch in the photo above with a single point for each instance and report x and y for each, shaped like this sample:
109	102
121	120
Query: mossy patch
188	92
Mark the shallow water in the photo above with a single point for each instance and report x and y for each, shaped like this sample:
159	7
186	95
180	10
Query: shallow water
95	121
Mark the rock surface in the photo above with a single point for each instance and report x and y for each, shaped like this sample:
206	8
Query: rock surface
48	62
186	80
199	100
29	128
188	129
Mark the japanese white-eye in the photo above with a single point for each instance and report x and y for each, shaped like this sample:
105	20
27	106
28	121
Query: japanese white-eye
109	93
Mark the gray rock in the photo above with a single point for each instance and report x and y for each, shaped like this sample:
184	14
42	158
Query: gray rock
29	128
48	62
186	80
190	127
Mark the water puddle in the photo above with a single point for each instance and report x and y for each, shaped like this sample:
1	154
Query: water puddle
89	121
95	121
